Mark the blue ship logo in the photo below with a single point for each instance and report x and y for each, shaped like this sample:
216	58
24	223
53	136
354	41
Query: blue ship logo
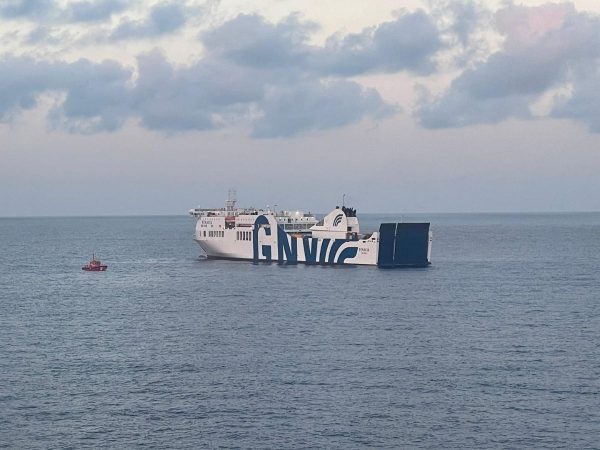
338	220
287	246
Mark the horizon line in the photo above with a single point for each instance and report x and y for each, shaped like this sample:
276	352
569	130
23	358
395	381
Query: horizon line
99	216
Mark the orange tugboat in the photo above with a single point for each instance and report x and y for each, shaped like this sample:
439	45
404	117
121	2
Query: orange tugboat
94	265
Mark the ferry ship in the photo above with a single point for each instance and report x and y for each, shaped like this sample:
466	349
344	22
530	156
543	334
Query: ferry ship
292	237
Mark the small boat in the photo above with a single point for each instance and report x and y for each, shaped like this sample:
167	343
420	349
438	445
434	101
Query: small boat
94	265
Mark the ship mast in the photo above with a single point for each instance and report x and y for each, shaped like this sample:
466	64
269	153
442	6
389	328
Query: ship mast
231	201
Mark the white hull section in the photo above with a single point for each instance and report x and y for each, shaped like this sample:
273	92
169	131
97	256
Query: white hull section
265	240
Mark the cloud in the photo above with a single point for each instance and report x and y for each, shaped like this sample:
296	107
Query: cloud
249	40
272	79
315	105
457	108
208	94
196	97
264	76
465	18
95	94
97	97
22	80
163	19
583	105
45	35
408	43
543	47
213	93
45	11
27	9
92	11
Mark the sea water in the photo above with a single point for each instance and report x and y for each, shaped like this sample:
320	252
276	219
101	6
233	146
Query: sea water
496	345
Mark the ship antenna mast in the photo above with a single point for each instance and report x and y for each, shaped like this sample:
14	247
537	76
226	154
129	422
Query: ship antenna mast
231	200
343	200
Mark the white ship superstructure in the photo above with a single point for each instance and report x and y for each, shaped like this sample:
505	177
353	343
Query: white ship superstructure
296	237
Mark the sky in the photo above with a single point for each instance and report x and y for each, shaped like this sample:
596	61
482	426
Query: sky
155	107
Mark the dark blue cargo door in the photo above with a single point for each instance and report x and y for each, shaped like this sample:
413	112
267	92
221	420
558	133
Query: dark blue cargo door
387	235
412	242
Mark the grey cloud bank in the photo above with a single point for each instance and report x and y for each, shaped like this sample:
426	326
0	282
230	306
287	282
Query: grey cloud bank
317	105
94	93
90	11
163	18
584	103
545	47
254	72
27	9
101	96
44	11
408	43
270	78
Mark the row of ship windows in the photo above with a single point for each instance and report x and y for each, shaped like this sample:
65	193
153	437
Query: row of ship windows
297	226
286	226
244	235
241	235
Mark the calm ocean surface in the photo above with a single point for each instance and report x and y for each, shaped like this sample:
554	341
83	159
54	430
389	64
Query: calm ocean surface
496	345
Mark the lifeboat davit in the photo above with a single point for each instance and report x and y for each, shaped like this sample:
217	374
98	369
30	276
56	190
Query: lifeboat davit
94	265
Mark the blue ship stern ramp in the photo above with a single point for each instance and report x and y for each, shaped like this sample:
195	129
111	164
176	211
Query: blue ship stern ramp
403	245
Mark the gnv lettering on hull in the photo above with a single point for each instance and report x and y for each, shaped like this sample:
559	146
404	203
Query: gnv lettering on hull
290	247
261	222
287	247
